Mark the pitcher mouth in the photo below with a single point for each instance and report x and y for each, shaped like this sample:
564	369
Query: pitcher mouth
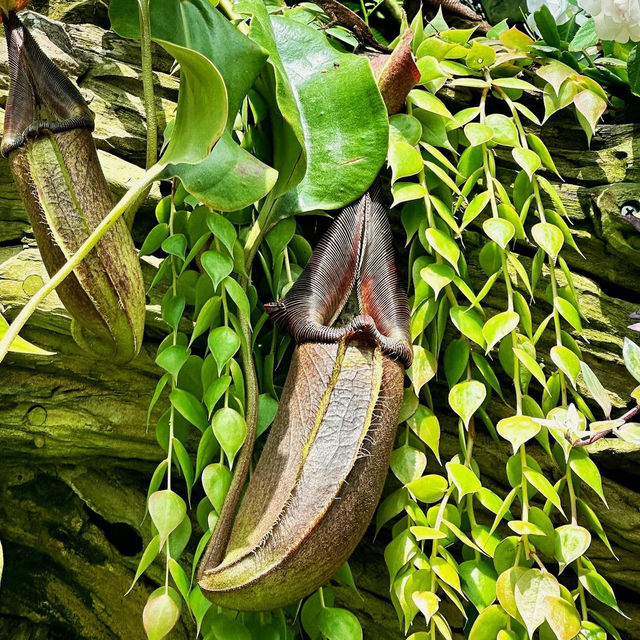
41	98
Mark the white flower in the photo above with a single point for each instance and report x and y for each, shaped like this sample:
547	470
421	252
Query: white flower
561	10
617	20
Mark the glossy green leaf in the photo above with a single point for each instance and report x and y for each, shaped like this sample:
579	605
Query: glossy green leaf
149	555
549	238
428	102
463	478
159	616
479	582
631	354
527	160
441	243
506	589
404	160
499	230
339	624
562	617
477	133
531	591
173	358
599	588
407	191
531	365
424	423
216	479
498	326
517	430
468	323
504	130
587	470
597	391
538	481
189	407
230	429
167	510
335	138
429	488
223	343
466	398
422	369
475	207
217	265
572	542
408	463
405	126
489	623
567	361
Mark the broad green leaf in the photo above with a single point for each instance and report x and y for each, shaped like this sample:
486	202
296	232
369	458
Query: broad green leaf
339	624
475	207
584	38
549	238
631	353
238	295
568	312
424	423
427	602
429	488
267	409
506	589
532	365
517	430
427	533
332	138
422	369
590	106
190	407
499	230
489	623
498	326
223	343
562	617
405	126
159	616
407	191
525	528
437	276
216	479
468	323
404	160
598	392
173	358
504	130
456	358
408	463
217	265
398	552
149	555
527	160
20	345
567	361
229	178
167	510
391	506
633	70
587	470
477	133
186	465
538	481
446	573
215	391
531	590
556	73
463	478
466	398
599	588
591	631
441	243
479	580
429	102
572	542
539	147
230	429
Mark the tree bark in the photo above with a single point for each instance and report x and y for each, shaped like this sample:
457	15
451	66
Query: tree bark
76	455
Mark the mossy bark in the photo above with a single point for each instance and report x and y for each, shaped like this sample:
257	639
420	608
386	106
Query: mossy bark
76	455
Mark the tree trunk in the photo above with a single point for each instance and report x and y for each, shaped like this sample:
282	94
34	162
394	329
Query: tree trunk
76	453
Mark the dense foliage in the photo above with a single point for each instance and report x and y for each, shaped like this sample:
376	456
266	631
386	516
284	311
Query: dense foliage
299	127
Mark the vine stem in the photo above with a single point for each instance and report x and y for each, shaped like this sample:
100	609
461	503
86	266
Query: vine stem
147	83
112	217
151	117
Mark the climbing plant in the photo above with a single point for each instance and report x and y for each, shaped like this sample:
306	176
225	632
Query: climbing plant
299	127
